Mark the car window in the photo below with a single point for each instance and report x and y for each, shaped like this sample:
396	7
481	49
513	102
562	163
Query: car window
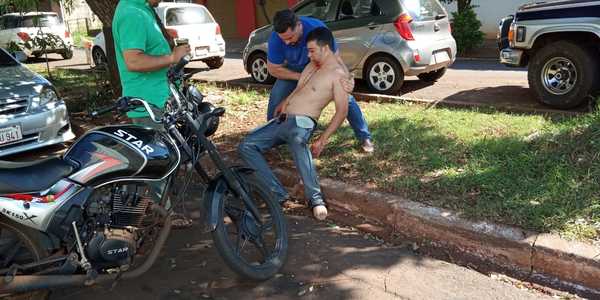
318	9
188	16
6	60
10	22
423	10
355	9
40	21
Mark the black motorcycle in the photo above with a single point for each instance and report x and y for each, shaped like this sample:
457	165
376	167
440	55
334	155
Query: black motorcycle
92	215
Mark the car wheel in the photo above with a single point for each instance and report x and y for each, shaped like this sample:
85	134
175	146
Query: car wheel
432	76
67	54
215	62
98	56
384	75
257	64
562	74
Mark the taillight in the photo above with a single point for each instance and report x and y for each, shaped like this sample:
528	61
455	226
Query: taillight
402	25
218	29
24	36
67	34
172	33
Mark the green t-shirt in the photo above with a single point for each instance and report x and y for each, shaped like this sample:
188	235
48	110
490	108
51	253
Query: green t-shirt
134	27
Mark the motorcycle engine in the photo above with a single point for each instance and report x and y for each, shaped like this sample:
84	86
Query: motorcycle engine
114	218
113	246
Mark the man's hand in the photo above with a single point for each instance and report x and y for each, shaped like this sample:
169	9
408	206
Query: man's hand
347	83
280	108
179	52
317	147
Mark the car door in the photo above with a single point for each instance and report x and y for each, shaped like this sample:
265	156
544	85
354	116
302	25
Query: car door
355	28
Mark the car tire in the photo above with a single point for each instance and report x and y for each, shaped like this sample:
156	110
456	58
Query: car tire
384	75
215	62
562	74
257	65
432	76
98	56
67	54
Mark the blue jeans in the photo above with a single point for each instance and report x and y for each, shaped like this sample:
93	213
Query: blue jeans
283	88
296	135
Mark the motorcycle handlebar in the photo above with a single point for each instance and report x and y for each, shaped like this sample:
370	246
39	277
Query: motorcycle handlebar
102	111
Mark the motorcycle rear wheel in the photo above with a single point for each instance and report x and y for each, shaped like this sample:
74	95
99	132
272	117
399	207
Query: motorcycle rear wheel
18	246
253	251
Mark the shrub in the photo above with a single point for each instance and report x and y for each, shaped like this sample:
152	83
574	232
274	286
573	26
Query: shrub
465	29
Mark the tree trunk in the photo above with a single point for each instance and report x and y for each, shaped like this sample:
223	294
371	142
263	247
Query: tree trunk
105	10
462	5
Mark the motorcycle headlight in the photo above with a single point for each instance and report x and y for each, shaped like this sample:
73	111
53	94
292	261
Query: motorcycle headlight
213	123
47	95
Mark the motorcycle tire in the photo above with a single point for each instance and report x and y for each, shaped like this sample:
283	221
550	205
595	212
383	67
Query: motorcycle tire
233	215
24	236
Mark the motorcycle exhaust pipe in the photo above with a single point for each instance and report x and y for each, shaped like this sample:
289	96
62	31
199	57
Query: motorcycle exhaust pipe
26	283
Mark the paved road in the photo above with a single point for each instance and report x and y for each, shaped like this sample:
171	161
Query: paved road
325	262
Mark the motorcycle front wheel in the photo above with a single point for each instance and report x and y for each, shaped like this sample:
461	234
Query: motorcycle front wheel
252	250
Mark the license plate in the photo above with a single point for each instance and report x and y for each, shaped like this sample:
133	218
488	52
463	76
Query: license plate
441	56
201	51
10	134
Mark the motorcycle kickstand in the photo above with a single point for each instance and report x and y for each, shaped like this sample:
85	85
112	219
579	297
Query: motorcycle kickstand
90	273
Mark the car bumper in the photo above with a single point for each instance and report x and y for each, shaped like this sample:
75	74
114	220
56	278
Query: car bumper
511	57
48	126
200	52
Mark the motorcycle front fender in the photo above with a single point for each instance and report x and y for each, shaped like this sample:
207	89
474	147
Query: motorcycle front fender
214	197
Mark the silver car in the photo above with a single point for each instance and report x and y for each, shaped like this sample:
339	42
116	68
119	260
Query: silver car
381	41
31	114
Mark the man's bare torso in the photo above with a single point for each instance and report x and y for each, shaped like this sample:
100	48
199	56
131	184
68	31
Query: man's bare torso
314	90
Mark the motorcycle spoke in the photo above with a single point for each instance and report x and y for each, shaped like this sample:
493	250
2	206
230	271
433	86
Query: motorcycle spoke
12	252
240	244
260	244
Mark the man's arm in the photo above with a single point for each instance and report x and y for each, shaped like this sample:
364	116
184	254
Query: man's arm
348	80
340	97
138	61
281	72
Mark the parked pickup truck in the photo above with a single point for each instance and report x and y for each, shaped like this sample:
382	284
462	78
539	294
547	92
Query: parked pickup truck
559	42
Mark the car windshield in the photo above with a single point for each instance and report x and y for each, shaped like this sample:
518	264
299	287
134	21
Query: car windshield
188	16
40	21
6	60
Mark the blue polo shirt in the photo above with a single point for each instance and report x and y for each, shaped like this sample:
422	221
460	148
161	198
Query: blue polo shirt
295	57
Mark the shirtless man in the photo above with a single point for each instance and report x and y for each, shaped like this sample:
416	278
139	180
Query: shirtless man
296	119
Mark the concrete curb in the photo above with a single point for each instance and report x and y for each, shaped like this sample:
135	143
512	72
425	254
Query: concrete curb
366	97
540	258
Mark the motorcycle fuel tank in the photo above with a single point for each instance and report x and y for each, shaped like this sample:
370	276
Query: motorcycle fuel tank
111	153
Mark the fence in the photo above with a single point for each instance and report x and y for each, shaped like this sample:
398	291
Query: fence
86	25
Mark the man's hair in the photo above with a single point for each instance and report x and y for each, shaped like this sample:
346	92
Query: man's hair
283	20
322	36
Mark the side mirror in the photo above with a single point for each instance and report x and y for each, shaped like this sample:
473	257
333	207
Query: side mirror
20	56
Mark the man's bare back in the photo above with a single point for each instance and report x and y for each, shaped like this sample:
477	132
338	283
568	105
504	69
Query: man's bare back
315	89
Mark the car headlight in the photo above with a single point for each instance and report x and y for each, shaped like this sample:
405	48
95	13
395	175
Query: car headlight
252	34
47	95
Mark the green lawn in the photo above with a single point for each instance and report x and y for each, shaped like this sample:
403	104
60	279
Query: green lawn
524	170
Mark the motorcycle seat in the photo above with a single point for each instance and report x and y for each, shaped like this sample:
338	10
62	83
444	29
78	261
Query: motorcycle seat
35	176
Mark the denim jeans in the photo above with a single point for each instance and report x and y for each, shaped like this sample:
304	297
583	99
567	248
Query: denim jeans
296	134
283	88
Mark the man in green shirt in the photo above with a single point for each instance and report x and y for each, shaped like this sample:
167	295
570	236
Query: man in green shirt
143	57
143	54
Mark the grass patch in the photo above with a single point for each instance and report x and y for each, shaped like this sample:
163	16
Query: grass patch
523	170
82	90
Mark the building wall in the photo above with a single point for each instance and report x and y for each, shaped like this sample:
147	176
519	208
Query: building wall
490	12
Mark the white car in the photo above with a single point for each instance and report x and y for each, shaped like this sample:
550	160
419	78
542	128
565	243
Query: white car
20	30
189	21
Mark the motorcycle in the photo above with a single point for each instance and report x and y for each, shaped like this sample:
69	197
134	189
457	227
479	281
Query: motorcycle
92	216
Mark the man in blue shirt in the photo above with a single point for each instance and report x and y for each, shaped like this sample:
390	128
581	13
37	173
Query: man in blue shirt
287	57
